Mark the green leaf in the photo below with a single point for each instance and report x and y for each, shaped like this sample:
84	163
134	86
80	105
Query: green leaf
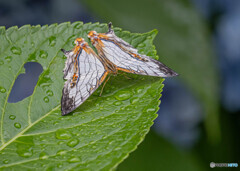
183	44
100	133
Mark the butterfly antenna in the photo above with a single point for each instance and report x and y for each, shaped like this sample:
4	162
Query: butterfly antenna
110	30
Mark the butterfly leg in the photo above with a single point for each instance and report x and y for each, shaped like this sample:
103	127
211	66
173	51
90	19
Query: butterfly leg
104	85
124	74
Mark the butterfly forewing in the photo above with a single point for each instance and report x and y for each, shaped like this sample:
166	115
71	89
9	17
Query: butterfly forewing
84	73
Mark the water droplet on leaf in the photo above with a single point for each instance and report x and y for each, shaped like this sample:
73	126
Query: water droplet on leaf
49	93
117	103
61	152
52	41
16	50
59	165
46	99
74	160
12	117
32	57
43	155
6	161
17	125
134	100
141	45
2	90
123	95
25	152
149	110
63	134
8	58
43	54
73	142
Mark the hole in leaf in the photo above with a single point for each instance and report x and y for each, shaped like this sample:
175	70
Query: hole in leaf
25	83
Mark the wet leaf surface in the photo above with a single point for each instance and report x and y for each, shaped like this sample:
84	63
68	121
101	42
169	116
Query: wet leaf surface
100	133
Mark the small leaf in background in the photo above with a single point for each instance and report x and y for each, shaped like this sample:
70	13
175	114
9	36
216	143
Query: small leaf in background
100	133
183	44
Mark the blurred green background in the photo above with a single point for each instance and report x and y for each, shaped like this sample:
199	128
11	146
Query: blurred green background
198	119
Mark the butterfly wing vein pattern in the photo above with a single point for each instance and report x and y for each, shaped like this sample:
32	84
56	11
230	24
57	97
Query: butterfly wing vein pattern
85	70
125	57
84	73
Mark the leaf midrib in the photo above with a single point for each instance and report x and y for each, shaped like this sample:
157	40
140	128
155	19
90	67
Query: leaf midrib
113	132
25	129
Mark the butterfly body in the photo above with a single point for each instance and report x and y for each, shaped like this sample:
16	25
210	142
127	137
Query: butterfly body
85	70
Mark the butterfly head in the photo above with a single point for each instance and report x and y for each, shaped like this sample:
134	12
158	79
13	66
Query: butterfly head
93	35
80	42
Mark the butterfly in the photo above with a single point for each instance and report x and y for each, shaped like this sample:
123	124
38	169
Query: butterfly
85	70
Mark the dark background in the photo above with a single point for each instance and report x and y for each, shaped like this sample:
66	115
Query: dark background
186	135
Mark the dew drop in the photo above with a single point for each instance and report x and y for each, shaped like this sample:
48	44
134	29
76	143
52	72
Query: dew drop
139	90
16	50
134	100
55	123
74	160
1	62
149	110
43	155
32	57
12	117
8	58
61	152
49	93
32	43
43	54
25	152
60	142
6	161
123	95
2	90
59	165
141	45
63	134
52	41
17	125
117	103
46	99
9	68
73	142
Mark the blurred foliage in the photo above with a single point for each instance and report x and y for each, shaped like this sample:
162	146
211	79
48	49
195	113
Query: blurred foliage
183	44
163	157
